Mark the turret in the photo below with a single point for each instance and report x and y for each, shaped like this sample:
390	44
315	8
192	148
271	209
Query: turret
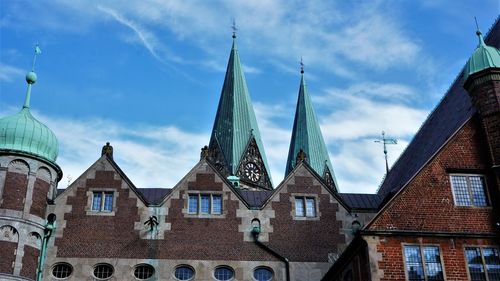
28	182
482	81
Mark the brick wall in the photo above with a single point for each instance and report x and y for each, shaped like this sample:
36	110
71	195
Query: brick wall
39	204
30	262
14	192
188	237
427	203
452	253
7	250
310	239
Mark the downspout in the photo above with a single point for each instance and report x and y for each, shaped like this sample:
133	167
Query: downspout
255	234
47	233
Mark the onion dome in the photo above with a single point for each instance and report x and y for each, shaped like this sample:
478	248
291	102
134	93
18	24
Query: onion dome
484	57
23	133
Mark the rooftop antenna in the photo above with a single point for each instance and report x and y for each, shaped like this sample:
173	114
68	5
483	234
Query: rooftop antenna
233	27
385	141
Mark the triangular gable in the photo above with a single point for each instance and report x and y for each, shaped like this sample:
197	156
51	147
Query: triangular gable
300	168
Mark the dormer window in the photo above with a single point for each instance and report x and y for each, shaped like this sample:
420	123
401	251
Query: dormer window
205	204
469	190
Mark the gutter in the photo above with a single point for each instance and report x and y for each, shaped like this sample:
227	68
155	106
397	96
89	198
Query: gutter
47	233
255	234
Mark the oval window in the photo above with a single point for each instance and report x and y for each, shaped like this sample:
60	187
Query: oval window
184	273
263	274
62	270
223	273
103	271
144	271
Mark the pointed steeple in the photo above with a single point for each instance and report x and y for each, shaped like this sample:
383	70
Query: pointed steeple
307	142
235	144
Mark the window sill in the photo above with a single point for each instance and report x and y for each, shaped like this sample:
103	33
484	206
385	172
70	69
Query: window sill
99	213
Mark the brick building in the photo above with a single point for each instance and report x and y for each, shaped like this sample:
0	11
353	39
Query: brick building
435	216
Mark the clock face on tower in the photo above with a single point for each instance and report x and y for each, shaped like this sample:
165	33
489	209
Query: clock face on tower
252	172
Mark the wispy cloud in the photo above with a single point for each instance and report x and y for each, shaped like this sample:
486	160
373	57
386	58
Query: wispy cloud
8	72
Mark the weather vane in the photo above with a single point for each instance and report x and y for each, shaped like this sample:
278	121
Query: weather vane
37	52
233	27
385	141
301	65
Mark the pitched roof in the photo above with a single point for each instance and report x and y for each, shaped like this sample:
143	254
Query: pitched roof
449	115
235	122
360	201
306	135
154	196
255	198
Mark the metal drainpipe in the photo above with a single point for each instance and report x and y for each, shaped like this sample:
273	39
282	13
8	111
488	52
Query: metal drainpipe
255	235
49	228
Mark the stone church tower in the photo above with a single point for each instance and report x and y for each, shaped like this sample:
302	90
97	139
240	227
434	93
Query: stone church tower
28	183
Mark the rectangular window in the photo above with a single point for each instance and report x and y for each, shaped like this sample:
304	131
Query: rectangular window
469	190
423	263
205	204
102	201
305	207
483	263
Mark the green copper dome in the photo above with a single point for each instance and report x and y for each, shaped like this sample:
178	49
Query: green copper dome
484	57
22	132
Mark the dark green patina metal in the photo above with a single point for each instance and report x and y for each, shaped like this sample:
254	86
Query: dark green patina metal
235	123
306	136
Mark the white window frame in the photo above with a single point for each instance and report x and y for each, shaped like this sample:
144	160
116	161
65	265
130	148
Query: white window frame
471	196
101	212
304	197
198	204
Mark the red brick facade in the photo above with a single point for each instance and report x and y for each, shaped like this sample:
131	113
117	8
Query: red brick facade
39	203
315	238
8	256
30	262
427	203
14	192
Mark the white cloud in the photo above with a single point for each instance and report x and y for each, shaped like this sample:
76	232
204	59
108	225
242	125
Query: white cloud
150	156
8	72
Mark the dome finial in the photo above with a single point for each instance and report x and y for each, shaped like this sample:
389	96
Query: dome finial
479	34
233	27
301	65
31	77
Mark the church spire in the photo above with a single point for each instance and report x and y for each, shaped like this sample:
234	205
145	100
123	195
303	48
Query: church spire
235	144
307	142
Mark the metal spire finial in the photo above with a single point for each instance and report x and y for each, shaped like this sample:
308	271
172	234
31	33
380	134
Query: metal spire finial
385	141
37	52
478	33
301	65
233	27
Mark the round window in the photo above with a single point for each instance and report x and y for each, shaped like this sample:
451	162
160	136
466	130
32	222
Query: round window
144	271
263	274
103	271
223	273
62	270
184	272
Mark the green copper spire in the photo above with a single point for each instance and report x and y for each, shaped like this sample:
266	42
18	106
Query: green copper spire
307	142
484	57
235	138
23	133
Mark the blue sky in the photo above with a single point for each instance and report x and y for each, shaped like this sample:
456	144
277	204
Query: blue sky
147	75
